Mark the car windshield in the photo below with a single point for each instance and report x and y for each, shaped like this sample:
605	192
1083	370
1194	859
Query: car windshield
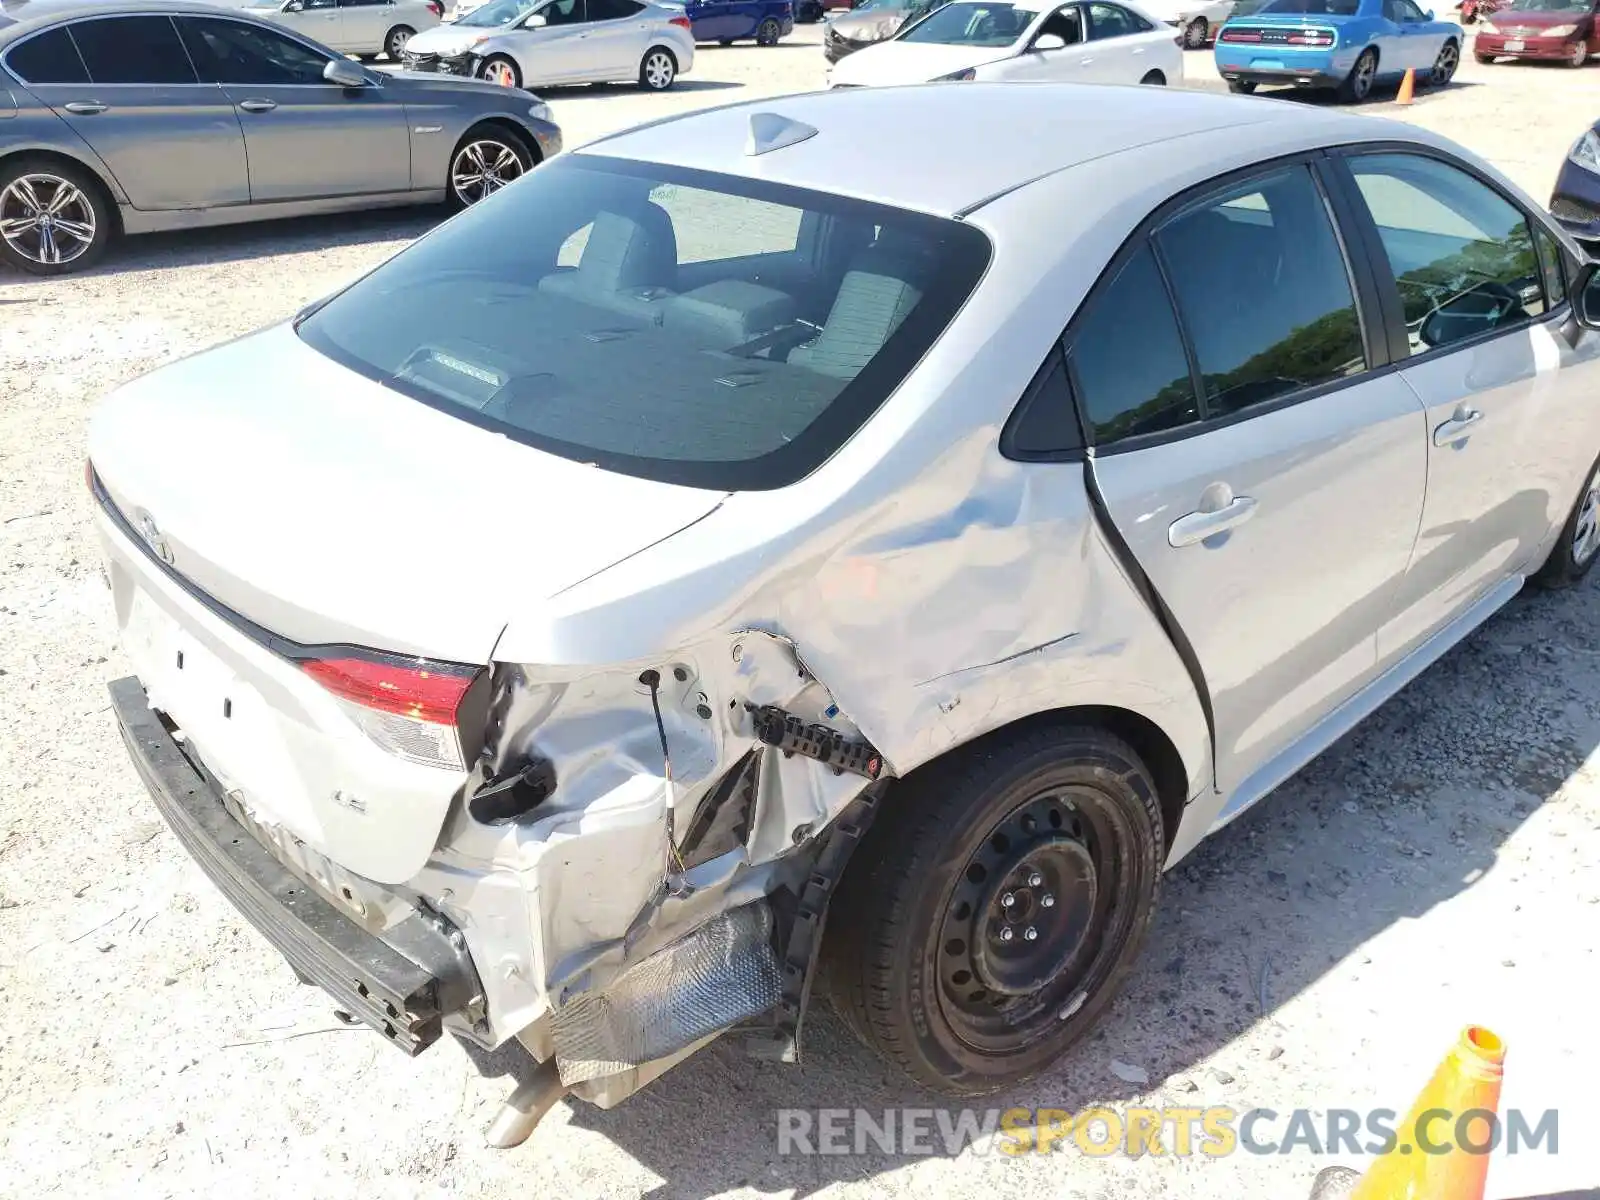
967	24
694	328
497	12
1562	6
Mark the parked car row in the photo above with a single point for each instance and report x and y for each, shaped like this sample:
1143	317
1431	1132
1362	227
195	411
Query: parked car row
162	114
366	28
1551	30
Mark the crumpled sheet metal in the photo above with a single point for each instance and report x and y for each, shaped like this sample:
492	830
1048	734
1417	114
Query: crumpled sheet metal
719	975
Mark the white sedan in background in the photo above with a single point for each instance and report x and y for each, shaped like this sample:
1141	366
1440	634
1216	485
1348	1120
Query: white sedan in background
528	43
365	27
1198	20
1092	41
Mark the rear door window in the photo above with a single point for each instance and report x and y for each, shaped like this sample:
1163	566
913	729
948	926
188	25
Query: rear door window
49	57
245	53
133	50
658	321
1264	292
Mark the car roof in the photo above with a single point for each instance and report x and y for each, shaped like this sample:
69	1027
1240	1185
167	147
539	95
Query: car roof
946	148
18	18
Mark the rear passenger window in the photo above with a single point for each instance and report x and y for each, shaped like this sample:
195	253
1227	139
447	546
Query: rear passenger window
1131	371
1045	425
1461	253
1264	293
49	58
613	10
133	50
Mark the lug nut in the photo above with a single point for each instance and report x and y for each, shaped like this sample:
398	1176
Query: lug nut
1031	933
1035	879
1007	900
1047	901
1006	934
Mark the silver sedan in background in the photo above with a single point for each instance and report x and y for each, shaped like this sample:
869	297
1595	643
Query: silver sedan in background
525	43
136	117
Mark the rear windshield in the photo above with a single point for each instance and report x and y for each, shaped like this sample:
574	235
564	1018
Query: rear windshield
687	327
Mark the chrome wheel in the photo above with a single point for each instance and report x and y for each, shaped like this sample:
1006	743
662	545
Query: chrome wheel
482	168
1195	34
658	70
1586	529
47	219
1444	67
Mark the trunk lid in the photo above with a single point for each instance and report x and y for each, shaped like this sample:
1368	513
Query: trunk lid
910	62
327	508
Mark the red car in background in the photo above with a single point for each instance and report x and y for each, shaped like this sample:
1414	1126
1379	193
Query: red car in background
1558	30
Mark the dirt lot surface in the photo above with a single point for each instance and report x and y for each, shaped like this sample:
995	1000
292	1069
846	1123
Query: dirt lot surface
1436	867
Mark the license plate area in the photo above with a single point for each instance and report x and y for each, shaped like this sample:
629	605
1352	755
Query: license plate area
1516	44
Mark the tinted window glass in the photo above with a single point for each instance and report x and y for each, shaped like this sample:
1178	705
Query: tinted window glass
1109	20
974	24
132	50
1067	24
664	352
612	10
238	52
1263	290
49	58
1461	253
362	3
312	5
1045	424
563	12
1132	374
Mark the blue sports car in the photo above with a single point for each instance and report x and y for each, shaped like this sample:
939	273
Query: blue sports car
1344	44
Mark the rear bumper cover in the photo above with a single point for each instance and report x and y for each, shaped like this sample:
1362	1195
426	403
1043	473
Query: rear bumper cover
402	983
1311	78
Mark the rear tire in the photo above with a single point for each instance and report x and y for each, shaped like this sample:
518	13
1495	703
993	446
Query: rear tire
1196	33
768	33
81	218
394	42
658	69
1579	544
1242	87
998	904
1357	85
1485	59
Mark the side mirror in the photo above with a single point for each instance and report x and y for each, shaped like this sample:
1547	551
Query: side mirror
1586	295
1428	16
345	73
294	6
536	21
1049	41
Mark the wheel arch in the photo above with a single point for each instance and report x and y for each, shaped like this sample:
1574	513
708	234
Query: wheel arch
503	124
109	191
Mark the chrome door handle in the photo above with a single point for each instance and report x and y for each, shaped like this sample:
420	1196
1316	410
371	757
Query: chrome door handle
1455	429
258	105
85	108
1198	526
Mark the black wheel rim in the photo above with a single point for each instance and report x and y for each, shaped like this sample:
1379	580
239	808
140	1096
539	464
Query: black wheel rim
1029	928
1365	67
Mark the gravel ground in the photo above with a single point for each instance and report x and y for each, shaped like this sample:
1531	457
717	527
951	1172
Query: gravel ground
1436	867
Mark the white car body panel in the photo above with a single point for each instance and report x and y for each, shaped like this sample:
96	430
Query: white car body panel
356	29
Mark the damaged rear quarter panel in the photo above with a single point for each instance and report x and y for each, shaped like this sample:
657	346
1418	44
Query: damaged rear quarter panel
919	588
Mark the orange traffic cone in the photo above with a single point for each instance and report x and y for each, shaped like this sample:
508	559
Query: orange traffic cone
1407	86
1429	1163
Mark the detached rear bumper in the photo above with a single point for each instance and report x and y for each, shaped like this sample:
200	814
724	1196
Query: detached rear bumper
402	983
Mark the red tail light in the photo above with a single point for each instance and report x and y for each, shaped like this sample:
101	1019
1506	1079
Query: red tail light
1309	39
436	9
1238	35
680	22
407	706
413	688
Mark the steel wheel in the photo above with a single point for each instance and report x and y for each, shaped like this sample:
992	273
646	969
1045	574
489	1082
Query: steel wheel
658	70
482	166
47	220
768	33
1586	529
501	70
1444	67
1195	34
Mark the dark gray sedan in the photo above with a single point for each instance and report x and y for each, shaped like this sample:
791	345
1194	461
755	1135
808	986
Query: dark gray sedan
134	117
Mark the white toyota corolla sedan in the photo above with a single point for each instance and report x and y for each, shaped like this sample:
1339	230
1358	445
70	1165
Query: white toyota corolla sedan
1092	41
745	520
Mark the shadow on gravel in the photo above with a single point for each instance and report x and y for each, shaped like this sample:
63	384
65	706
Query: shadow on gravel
1402	815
